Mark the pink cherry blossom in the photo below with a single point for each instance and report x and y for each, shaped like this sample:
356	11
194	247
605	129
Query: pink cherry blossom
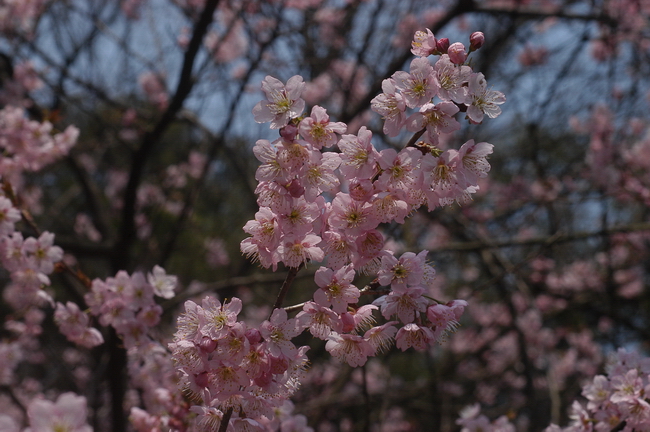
348	348
381	337
388	206
391	106
216	318
278	332
298	249
67	413
9	215
359	156
320	320
270	170
437	119
351	216
299	218
452	78
283	102
400	170
339	249
420	85
398	273
41	253
482	101
74	324
407	304
413	335
424	43
319	174
441	177
318	130
473	158
336	288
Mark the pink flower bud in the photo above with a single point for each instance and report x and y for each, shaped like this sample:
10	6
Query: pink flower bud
207	344
295	189
348	322
202	380
476	41
289	132
442	45
253	335
457	53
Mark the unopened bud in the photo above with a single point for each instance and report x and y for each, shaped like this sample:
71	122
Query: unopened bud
253	335
348	322
202	379
295	189
289	132
476	41
457	54
442	45
207	344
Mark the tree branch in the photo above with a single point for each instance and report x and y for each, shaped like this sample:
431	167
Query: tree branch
152	138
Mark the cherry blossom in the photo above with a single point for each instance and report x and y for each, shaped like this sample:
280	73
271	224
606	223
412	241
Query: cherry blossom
9	215
436	119
424	43
451	78
359	156
483	101
283	101
279	331
74	324
297	250
415	336
473	157
348	348
318	130
67	413
216	318
163	284
320	320
420	85
391	106
336	288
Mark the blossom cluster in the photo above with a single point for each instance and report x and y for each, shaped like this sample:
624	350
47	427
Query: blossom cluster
28	145
29	261
327	207
296	223
125	302
457	87
226	364
617	401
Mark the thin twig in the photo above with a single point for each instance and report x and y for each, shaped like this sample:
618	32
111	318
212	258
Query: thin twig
225	420
293	271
